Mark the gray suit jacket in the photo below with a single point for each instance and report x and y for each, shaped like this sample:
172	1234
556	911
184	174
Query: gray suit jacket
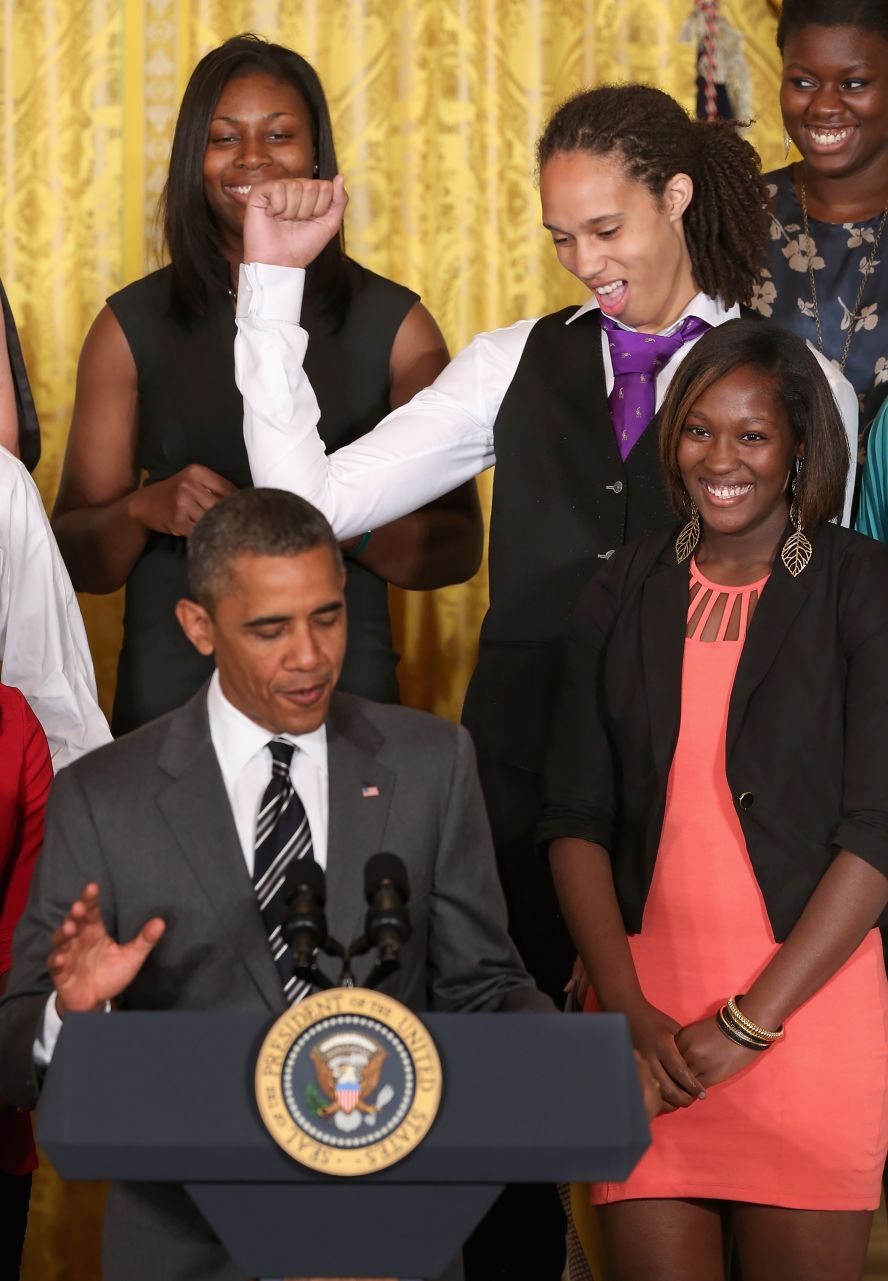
148	818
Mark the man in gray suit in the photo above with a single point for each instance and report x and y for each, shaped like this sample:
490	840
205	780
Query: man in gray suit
144	894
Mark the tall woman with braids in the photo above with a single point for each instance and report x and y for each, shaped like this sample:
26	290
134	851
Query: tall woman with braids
663	219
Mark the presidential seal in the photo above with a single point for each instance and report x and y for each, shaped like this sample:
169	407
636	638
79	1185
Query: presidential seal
348	1081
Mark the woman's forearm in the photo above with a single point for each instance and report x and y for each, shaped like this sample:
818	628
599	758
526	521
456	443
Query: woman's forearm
846	905
434	547
585	886
100	545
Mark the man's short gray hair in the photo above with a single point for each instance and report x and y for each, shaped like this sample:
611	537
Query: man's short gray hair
252	522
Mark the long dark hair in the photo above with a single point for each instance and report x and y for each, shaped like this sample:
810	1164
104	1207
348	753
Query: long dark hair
867	15
726	224
803	391
190	231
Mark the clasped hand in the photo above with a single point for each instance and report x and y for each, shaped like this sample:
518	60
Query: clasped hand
684	1060
709	1054
86	965
175	505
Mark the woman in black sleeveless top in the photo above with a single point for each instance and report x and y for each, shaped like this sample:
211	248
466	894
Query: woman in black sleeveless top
156	391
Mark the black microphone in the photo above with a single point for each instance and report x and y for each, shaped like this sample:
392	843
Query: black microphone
387	891
304	923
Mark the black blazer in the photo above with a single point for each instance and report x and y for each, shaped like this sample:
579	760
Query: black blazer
807	736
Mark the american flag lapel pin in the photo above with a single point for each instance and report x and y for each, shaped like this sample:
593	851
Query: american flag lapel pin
369	791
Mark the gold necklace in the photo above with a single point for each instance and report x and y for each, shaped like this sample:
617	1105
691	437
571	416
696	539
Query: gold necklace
864	276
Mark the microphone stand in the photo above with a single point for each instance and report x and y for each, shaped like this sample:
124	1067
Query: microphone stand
311	974
384	966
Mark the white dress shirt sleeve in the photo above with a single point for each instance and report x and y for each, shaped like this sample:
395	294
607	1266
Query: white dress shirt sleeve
50	1027
42	638
428	447
849	407
50	1030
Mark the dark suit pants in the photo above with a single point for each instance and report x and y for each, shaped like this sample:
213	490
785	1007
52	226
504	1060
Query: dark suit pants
523	1235
514	798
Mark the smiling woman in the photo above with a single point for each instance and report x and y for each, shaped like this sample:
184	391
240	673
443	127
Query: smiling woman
253	114
826	277
156	391
717	828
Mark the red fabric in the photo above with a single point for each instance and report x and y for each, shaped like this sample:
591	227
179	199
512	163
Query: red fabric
25	779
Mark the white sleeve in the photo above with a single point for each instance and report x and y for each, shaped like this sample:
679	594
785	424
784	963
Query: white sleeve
428	447
50	1027
849	407
43	642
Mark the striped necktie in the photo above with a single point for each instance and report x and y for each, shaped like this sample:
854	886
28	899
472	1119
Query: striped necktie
282	836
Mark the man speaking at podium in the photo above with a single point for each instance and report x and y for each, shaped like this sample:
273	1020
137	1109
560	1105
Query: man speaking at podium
156	886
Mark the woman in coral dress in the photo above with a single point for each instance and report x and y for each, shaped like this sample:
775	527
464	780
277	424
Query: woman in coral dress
717	825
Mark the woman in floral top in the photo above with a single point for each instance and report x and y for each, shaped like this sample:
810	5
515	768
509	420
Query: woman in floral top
827	278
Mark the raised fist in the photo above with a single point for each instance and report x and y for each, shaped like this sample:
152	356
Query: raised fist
289	221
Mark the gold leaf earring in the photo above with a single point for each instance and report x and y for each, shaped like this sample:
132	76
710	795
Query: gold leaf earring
797	550
688	536
787	143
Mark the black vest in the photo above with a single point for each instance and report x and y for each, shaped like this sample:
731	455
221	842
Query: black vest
563	499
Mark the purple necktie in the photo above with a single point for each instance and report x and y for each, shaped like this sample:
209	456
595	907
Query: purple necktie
637	359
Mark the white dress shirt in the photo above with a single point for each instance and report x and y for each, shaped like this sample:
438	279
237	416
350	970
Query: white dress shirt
240	746
43	646
440	439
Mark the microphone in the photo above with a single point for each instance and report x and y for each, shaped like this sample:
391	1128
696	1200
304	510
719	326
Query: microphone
387	891
304	923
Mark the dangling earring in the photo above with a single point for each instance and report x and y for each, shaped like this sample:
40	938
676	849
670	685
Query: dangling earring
797	550
787	143
688	536
316	169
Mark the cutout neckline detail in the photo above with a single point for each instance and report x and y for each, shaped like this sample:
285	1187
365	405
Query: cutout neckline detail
719	614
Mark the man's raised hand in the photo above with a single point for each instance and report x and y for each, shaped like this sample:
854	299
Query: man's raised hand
290	220
86	965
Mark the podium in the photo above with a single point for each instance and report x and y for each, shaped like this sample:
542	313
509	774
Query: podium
527	1098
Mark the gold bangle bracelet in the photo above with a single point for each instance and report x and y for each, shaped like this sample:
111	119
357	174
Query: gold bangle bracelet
734	1033
748	1038
747	1024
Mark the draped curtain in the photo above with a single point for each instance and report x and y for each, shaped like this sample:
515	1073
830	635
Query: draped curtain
436	104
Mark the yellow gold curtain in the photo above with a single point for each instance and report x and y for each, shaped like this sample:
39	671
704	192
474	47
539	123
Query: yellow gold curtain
437	105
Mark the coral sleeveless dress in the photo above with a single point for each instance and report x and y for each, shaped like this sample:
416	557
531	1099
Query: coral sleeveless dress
806	1124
